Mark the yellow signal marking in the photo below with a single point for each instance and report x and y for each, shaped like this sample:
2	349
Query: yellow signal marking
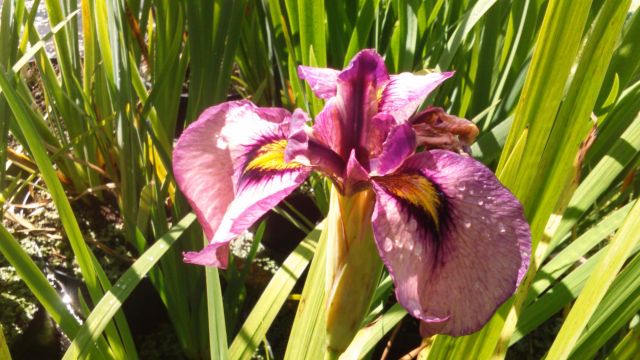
271	157
415	189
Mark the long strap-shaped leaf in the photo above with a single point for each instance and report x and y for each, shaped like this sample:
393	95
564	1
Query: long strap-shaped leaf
368	337
629	347
4	349
113	299
217	327
273	297
597	285
616	309
39	286
619	156
558	170
467	23
92	273
307	337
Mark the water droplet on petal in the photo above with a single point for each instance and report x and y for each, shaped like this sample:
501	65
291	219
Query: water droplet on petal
388	244
461	186
416	312
471	192
502	228
480	202
419	248
409	245
467	224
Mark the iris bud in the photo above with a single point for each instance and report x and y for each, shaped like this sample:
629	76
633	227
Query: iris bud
353	267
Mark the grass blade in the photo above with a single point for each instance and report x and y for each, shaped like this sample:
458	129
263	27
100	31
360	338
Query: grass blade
273	297
463	29
43	290
37	283
110	304
217	327
597	285
629	347
617	308
368	337
4	349
620	154
308	331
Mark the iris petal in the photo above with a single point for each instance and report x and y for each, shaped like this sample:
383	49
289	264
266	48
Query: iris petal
399	145
322	81
304	148
357	101
231	162
328	130
453	238
405	92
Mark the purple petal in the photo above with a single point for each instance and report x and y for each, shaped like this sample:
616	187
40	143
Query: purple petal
453	238
322	81
405	92
366	63
203	170
237	149
399	145
357	101
356	177
381	125
327	128
303	148
298	139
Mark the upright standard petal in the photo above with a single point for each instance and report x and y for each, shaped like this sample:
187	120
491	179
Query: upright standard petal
453	238
357	102
231	162
405	92
322	81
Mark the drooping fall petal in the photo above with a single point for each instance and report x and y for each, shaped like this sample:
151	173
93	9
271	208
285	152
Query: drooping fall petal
230	166
405	92
203	170
453	238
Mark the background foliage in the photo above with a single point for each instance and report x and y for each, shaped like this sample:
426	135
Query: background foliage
553	85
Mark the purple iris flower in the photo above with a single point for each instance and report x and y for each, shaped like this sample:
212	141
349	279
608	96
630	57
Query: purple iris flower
454	240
